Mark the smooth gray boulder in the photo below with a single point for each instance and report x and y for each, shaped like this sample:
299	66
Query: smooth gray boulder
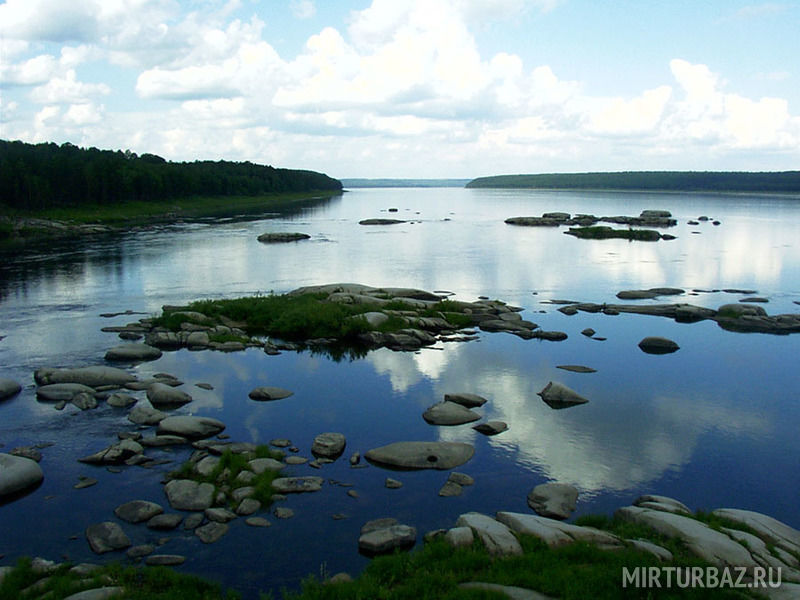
557	395
663	503
386	539
162	395
496	537
767	528
491	427
146	415
713	546
659	552
120	400
328	445
220	515
466	399
380	221
556	533
114	454
658	345
421	455
190	427
459	537
137	511
165	521
8	388
259	465
296	485
17	474
449	413
92	376
62	392
106	537
553	500
133	352
211	532
267	393
185	494
101	593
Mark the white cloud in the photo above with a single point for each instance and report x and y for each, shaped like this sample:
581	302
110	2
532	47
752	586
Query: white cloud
303	9
67	89
34	71
639	115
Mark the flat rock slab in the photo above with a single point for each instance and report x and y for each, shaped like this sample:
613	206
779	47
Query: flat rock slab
58	392
577	368
185	494
658	345
190	427
17	474
8	387
133	352
713	546
296	485
114	454
466	399
767	528
165	522
557	395
662	503
491	427
164	560
106	537
259	465
146	415
553	500
496	537
509	591
137	511
387	539
267	393
328	445
101	593
162	395
555	533
421	455
92	376
381	221
277	237
449	413
211	532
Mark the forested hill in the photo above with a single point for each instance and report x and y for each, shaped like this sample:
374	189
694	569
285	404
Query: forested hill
42	176
678	181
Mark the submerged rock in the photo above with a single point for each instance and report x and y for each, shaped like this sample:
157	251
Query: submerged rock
466	399
282	236
190	427
421	455
266	393
449	413
328	445
296	485
8	388
58	392
381	221
162	395
133	352
91	376
491	427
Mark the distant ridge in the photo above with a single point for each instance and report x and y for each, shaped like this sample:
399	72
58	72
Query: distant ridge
679	181
376	183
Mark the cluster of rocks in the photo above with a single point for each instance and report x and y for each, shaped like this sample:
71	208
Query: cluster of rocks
742	317
647	218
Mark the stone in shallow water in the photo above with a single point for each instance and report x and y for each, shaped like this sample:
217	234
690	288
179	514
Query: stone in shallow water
466	399
577	368
658	345
106	537
185	494
491	427
8	387
296	485
267	393
133	352
449	413
137	511
387	539
421	455
557	395
211	532
18	473
190	427
162	395
553	500
329	445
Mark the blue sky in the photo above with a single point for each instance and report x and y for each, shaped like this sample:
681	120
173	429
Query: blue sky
411	88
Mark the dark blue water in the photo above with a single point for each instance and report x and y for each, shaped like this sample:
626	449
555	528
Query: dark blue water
713	424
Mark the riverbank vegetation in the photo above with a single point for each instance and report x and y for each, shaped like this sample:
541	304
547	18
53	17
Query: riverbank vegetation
36	177
675	181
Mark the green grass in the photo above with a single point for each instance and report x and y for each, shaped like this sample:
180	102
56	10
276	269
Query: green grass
147	583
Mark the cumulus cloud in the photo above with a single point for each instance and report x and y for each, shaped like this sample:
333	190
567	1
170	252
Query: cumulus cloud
303	9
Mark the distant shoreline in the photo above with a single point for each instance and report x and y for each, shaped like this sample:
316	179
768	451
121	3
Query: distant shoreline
786	182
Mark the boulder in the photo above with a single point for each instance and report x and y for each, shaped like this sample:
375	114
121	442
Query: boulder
496	537
491	427
165	522
8	388
62	392
277	237
211	532
133	352
185	494
259	465
137	511
146	415
120	400
296	485
162	395
17	474
556	533
662	503
421	455
466	399
459	537
328	445
114	454
380	221
553	500
190	427
767	528
658	345
92	376
557	395
267	393
382	540
449	413
713	546
106	537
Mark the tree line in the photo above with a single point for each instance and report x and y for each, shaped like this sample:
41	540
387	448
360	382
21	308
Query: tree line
40	176
682	181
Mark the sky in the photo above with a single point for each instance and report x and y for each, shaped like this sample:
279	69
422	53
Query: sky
411	88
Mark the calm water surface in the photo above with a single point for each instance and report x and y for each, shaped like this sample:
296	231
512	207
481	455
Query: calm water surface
714	424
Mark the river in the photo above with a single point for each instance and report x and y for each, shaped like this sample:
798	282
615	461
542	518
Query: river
713	424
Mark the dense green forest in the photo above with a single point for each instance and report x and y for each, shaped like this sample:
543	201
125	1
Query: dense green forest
42	176
679	181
